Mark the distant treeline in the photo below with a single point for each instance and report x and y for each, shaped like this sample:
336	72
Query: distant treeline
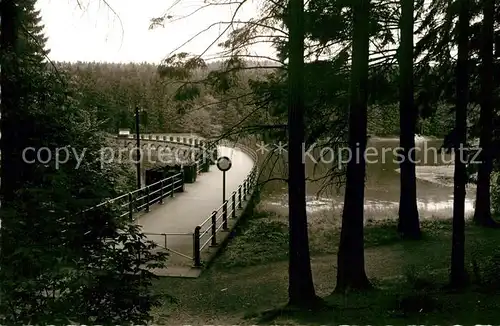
113	90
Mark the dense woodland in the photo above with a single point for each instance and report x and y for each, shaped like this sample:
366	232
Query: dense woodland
362	73
114	90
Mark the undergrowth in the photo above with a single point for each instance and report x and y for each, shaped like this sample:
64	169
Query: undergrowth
263	238
410	278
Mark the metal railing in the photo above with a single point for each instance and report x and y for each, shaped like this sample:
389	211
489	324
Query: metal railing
206	233
195	140
164	243
142	199
250	152
199	164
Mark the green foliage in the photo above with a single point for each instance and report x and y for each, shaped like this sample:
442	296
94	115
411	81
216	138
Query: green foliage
60	265
180	66
189	97
64	266
221	81
263	240
32	41
439	124
187	92
383	120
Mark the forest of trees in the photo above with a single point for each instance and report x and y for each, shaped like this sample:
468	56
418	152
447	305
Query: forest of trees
114	90
59	266
431	79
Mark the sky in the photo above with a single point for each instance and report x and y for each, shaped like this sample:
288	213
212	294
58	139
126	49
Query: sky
96	33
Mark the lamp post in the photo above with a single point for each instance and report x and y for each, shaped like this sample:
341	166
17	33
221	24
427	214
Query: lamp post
138	149
224	164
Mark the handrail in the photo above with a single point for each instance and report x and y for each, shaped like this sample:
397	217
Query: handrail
143	198
144	193
208	219
168	233
187	144
165	246
222	212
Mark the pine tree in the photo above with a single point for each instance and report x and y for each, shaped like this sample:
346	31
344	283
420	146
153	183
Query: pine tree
351	257
32	39
301	292
458	273
408	222
58	265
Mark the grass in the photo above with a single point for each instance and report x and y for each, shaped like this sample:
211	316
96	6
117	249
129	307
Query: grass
251	277
264	238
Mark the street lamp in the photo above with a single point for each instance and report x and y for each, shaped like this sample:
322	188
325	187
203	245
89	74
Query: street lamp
138	148
224	164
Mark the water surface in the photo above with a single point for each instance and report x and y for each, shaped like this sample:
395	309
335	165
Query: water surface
434	183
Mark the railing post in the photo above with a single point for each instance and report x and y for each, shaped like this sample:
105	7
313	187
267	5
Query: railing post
173	186
161	191
245	189
214	229
165	235
233	208
182	180
196	247
239	198
147	199
130	206
224	216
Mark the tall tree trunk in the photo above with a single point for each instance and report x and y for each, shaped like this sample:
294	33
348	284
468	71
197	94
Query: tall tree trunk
10	151
301	289
351	258
408	223
458	275
482	214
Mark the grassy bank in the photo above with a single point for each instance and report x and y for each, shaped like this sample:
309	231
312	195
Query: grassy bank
251	276
264	238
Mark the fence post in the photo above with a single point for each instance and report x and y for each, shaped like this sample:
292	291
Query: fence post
245	189
173	186
224	216
161	191
196	247
182	180
239	197
147	199
130	206
165	235
214	229
233	208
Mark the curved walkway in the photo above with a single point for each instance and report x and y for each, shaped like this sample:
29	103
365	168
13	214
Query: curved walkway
180	215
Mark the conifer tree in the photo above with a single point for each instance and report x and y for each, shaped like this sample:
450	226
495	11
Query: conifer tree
57	264
32	38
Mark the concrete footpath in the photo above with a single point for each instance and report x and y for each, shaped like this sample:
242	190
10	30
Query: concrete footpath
181	214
